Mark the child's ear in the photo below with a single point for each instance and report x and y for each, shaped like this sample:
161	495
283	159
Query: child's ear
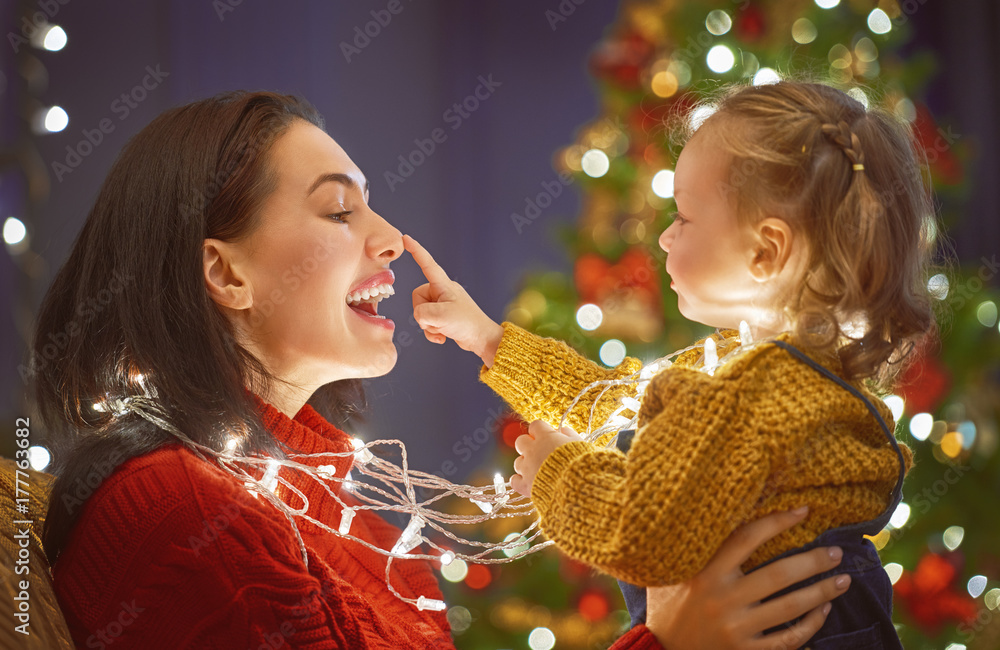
772	249
224	281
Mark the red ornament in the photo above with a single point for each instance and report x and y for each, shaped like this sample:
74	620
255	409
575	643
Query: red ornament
750	24
621	59
593	606
478	577
929	596
590	273
637	271
938	146
511	427
924	383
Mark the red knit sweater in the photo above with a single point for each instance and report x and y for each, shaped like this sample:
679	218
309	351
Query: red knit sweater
172	552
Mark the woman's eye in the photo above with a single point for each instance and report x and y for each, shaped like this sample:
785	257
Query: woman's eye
339	216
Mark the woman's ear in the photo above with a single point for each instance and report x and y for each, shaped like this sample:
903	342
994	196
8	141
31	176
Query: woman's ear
772	249
223	280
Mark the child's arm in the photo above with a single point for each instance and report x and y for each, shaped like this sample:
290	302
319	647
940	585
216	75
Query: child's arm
657	516
538	377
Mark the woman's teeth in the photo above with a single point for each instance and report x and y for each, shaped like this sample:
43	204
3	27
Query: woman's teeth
371	297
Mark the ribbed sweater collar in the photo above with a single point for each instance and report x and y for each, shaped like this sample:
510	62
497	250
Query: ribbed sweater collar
308	433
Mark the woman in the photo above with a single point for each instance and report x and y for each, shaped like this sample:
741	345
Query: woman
233	239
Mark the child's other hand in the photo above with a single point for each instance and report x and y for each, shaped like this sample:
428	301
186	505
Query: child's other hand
534	448
444	310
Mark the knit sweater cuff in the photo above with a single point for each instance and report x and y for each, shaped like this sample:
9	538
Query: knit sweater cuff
517	352
539	378
546	485
638	638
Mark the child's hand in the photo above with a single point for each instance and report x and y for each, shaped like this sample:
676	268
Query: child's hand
534	449
444	310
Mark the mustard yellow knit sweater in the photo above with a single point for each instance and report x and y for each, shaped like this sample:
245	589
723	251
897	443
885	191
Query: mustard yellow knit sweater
765	433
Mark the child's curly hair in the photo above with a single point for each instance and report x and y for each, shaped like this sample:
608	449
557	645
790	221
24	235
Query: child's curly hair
849	179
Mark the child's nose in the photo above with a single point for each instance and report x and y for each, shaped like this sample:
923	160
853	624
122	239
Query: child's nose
666	237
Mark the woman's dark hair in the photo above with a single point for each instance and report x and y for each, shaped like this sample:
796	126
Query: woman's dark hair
128	314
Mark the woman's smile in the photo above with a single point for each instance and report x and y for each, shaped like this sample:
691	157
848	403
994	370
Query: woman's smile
364	298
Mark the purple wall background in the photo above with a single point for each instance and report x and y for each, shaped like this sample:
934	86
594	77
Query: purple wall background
396	89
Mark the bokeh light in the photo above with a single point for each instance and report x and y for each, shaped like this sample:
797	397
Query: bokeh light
804	31
663	184
589	316
720	59
878	22
541	638
766	76
595	163
14	231
612	352
718	22
56	119
921	425
54	39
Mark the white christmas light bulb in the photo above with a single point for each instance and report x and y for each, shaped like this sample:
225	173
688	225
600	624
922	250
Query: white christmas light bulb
431	604
270	479
619	421
447	558
410	539
499	483
345	521
745	337
361	454
711	355
632	404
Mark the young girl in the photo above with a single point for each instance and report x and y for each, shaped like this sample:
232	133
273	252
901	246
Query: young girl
803	216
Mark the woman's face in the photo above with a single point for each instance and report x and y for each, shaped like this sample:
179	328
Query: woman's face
316	266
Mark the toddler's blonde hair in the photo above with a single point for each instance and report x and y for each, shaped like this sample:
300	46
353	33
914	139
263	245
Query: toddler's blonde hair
848	179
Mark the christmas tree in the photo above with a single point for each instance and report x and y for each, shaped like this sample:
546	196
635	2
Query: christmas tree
653	64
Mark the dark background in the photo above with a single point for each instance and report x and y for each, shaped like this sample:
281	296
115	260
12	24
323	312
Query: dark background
458	203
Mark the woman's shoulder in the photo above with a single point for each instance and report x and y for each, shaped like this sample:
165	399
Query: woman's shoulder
167	496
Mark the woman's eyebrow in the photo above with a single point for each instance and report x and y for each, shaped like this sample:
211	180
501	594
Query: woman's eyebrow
336	177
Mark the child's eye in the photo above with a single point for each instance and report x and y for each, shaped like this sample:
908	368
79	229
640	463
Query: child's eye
339	216
676	216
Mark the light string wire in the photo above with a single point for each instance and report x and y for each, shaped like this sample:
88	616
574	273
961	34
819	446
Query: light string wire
400	482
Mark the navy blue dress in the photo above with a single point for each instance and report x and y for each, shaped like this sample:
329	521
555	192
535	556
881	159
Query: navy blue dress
861	618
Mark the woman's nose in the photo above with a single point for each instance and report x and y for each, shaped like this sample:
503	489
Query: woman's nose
385	242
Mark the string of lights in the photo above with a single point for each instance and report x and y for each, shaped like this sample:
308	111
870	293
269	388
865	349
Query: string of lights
393	488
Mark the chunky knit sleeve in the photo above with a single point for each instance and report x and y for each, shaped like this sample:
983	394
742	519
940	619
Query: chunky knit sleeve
539	378
657	516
